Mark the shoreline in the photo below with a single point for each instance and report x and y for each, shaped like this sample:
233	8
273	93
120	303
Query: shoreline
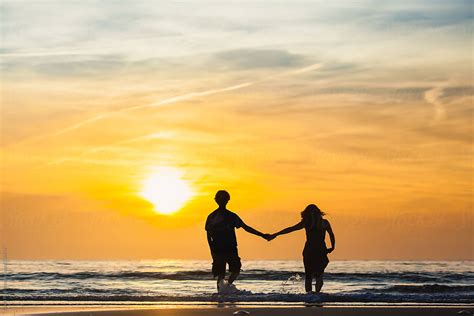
229	309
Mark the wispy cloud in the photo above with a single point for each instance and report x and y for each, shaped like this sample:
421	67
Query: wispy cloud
433	96
258	58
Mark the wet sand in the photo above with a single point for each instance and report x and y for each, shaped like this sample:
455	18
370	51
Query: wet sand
256	311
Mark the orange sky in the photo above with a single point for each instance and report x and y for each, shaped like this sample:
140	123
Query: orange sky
365	111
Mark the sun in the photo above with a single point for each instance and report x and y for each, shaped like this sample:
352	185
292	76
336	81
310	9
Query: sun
166	189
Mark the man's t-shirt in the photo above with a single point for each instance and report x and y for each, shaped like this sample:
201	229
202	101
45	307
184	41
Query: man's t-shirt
221	225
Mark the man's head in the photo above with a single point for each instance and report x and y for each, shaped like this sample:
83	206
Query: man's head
222	197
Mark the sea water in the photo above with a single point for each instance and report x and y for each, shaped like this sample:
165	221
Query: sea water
262	282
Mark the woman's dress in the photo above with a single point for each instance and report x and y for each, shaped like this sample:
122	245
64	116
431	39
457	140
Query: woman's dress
315	252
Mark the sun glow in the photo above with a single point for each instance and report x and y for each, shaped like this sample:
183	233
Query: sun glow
166	190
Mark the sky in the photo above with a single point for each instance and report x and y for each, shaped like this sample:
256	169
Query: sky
361	107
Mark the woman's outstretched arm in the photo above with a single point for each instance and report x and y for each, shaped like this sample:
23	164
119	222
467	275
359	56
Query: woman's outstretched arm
290	229
332	237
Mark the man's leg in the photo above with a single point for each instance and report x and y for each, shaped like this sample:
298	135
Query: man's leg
220	278
232	277
218	269
234	267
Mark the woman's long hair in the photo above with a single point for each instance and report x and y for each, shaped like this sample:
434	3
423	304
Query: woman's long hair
312	215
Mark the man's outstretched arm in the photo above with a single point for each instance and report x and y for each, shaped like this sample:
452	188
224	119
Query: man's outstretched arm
251	230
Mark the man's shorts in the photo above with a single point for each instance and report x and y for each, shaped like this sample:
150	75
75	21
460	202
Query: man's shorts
220	260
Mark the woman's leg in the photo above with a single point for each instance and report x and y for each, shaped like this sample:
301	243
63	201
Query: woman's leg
319	283
308	282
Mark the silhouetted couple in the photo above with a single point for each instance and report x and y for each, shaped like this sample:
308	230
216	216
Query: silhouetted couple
220	227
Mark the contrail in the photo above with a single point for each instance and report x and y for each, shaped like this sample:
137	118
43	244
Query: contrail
63	131
84	153
78	125
202	94
187	96
41	54
306	69
432	96
162	102
167	101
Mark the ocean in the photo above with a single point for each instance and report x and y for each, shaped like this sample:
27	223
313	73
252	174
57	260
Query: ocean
261	282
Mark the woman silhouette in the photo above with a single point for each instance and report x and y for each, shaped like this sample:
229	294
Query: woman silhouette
315	252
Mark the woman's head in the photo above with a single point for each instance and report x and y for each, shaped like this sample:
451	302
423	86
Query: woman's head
311	213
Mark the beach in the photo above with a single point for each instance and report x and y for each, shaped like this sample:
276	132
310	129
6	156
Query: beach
257	311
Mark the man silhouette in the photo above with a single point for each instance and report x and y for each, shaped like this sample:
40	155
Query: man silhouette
220	228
